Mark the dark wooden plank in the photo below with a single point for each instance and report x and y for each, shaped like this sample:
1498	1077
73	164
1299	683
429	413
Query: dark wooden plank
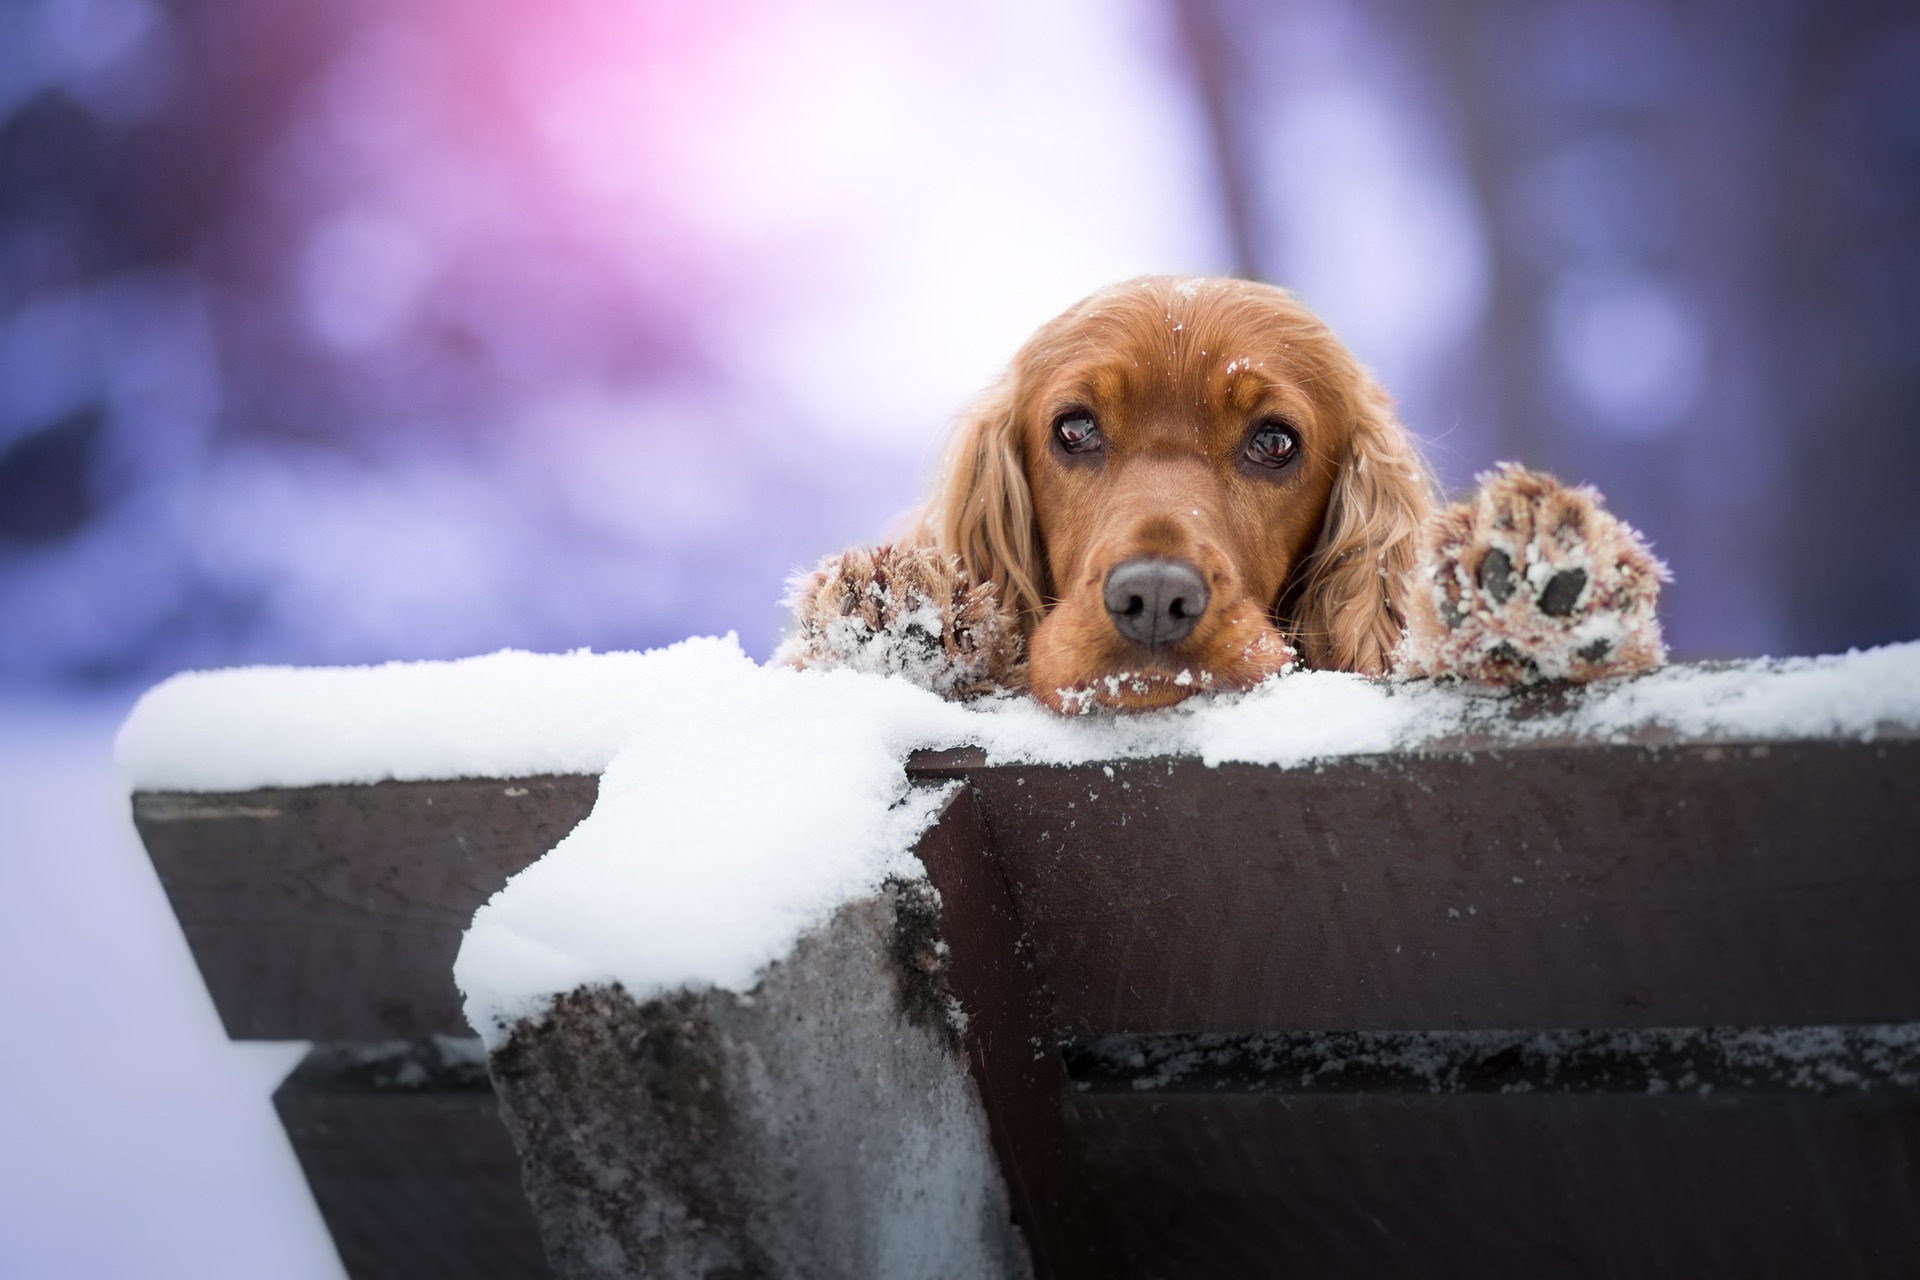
1558	886
409	1163
335	913
1010	1046
1489	1184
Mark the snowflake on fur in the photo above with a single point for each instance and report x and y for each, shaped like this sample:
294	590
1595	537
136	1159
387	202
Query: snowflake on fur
905	611
1532	580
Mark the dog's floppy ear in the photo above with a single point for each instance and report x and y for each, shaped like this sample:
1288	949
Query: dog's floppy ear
981	509
1348	608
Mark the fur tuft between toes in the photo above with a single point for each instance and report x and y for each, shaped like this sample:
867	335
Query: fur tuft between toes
908	611
1531	580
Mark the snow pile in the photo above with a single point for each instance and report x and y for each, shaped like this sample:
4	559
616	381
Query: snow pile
515	715
741	804
750	804
1858	695
506	715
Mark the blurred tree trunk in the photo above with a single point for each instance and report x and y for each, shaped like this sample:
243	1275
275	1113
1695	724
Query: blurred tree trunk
1716	202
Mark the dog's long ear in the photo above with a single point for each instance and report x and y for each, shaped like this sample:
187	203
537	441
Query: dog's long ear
1348	609
981	509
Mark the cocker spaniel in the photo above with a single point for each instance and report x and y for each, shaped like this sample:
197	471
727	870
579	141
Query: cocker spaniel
1190	484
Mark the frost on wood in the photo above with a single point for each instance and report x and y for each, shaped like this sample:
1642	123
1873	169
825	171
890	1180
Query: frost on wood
1531	580
824	1126
1702	1060
905	611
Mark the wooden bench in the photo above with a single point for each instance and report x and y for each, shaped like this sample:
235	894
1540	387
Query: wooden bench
333	914
1555	1007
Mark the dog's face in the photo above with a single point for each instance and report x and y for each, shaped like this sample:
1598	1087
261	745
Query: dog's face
1175	479
1181	448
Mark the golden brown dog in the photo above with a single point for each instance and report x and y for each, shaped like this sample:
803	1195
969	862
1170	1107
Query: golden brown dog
1187	484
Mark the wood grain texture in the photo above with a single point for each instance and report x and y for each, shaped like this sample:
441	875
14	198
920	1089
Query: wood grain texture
824	1127
1473	1185
1566	886
335	913
1475	889
1010	1046
416	1182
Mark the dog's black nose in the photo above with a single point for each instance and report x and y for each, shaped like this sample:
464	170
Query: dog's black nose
1155	601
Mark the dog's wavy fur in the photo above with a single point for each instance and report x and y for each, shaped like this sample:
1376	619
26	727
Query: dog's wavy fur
1348	607
1343	605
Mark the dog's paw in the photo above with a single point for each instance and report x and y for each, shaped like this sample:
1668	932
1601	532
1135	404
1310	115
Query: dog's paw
905	611
1528	581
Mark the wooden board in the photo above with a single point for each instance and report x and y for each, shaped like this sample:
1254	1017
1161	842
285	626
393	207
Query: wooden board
1417	1186
335	913
1010	1046
410	1165
1566	886
1456	893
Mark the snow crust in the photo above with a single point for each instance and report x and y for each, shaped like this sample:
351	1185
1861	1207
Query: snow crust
506	715
740	804
748	806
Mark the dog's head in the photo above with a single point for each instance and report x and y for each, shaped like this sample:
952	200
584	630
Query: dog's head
1172	479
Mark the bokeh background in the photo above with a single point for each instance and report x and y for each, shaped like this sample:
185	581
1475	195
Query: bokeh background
350	330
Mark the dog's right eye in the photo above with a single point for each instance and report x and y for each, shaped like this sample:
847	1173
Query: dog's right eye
1077	433
1273	445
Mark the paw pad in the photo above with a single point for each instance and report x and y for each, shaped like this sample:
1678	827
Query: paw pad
1532	580
1496	575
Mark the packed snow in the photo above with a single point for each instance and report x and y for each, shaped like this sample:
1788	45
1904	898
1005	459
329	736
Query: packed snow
741	804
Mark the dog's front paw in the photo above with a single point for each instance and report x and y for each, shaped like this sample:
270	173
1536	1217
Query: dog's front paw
1531	580
905	611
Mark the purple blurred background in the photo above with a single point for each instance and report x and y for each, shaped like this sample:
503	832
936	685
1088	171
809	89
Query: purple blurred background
352	331
369	329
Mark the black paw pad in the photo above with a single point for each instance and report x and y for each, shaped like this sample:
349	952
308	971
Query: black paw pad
1562	590
1496	575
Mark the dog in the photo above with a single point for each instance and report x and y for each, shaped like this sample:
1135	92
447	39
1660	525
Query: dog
1183	485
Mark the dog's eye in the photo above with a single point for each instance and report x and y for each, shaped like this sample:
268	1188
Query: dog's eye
1077	433
1273	445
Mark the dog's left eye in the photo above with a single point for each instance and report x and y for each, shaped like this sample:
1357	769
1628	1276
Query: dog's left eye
1077	433
1273	445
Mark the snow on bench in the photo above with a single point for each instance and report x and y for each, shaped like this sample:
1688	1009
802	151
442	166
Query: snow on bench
740	805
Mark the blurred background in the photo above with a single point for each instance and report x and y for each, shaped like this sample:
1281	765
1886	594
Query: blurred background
351	330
